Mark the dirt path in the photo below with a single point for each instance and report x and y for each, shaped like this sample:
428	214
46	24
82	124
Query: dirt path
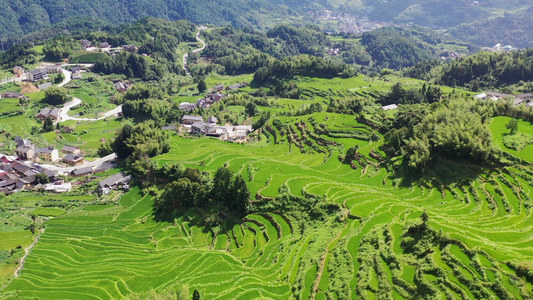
186	55
322	265
27	250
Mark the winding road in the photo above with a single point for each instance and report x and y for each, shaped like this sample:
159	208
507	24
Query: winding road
186	55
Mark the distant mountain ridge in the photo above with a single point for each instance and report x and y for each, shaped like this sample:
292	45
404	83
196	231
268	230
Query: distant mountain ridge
22	17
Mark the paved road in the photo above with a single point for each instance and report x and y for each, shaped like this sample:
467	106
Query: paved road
67	79
75	101
186	55
96	163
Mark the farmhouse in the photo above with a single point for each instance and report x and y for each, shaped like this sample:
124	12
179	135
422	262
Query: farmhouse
25	152
52	69
82	171
189	120
14	95
36	75
71	150
186	106
217	88
234	87
58	187
85	44
73	159
390	107
114	182
130	48
47	154
54	113
105	45
198	128
20	167
121	88
77	75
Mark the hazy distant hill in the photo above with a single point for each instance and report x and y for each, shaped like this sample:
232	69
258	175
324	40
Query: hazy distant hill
21	17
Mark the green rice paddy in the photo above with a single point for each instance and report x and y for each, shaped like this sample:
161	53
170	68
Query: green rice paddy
478	231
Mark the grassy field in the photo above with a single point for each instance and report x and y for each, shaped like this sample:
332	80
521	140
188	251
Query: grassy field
479	220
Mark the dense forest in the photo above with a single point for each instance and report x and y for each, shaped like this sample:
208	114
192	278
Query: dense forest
483	70
18	18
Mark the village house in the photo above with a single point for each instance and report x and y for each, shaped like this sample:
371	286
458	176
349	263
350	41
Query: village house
13	95
58	187
390	107
85	44
130	48
189	120
25	153
121	88
114	182
75	69
198	128
186	106
20	167
36	75
48	154
52	69
82	172
73	159
204	103
76	75
217	88
18	71
54	113
234	87
71	150
105	45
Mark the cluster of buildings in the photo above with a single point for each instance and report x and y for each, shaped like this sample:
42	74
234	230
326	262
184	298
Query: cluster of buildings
499	47
17	176
349	23
333	52
526	99
204	103
86	44
20	172
27	151
198	126
37	74
214	97
76	72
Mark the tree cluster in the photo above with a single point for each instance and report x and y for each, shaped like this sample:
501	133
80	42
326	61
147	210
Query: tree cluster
135	142
224	192
303	65
56	96
454	129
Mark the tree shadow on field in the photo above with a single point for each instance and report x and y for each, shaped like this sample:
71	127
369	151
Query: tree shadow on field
207	220
443	172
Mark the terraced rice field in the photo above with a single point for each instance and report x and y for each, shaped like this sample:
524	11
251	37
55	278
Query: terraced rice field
475	244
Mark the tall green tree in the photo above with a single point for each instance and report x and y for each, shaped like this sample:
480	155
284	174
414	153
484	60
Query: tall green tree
202	86
512	125
48	125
